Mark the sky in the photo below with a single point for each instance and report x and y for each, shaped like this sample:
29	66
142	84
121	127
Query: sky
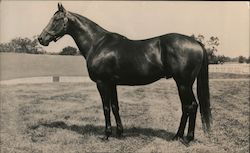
229	21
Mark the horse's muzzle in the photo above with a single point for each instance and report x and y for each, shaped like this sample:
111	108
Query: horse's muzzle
40	39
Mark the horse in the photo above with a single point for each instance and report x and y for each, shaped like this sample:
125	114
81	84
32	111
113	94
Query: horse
113	59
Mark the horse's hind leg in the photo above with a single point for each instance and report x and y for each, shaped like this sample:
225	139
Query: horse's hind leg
189	109
183	94
192	111
115	110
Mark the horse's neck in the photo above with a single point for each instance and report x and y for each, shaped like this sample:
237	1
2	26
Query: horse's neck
84	32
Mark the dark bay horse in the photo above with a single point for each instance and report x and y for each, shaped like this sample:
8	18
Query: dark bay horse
113	59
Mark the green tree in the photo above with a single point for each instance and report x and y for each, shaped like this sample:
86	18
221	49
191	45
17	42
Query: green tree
6	47
210	45
69	50
242	59
248	60
22	45
199	38
222	59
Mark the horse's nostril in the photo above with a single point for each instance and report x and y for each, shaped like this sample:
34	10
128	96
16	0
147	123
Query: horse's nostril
39	39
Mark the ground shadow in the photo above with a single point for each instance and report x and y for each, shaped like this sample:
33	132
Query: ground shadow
99	130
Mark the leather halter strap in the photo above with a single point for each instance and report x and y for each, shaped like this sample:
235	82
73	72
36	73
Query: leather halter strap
53	34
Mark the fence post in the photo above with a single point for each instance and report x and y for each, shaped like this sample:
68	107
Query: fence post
56	78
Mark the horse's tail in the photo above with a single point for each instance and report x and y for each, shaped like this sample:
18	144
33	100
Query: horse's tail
203	93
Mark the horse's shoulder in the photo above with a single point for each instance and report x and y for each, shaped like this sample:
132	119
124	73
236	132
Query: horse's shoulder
103	50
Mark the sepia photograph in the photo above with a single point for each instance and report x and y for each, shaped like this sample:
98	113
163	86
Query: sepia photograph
124	76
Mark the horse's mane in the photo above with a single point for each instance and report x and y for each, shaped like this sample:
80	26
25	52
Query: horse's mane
86	20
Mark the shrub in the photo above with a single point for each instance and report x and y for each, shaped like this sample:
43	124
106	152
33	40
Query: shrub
69	51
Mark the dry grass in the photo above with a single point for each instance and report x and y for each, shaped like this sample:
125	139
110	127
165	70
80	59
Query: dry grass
68	117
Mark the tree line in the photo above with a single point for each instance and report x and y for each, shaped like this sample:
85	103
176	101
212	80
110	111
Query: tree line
32	46
22	45
211	45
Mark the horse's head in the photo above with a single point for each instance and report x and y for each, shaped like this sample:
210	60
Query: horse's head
56	28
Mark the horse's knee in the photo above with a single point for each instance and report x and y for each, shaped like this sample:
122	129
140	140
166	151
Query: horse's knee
115	108
106	110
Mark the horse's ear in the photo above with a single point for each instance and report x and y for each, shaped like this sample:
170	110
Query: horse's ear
61	8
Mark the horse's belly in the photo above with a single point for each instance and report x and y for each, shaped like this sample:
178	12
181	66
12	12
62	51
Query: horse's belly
137	79
128	77
136	82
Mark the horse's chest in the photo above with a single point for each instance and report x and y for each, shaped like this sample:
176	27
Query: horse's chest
101	65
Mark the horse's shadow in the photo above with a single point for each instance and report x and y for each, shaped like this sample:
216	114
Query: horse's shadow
99	130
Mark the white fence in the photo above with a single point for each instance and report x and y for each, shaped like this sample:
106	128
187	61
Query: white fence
230	68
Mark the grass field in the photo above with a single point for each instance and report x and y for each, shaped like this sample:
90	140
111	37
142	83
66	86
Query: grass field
68	117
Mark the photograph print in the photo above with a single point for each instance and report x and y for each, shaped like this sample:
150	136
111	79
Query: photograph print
124	76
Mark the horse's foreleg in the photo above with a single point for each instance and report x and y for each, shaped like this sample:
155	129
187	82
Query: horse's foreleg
105	93
115	110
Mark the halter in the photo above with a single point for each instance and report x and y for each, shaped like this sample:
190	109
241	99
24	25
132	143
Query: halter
53	34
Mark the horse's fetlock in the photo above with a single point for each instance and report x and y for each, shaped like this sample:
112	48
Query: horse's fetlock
108	131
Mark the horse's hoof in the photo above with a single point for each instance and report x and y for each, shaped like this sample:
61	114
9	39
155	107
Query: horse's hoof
120	136
119	133
177	137
104	138
108	132
185	142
